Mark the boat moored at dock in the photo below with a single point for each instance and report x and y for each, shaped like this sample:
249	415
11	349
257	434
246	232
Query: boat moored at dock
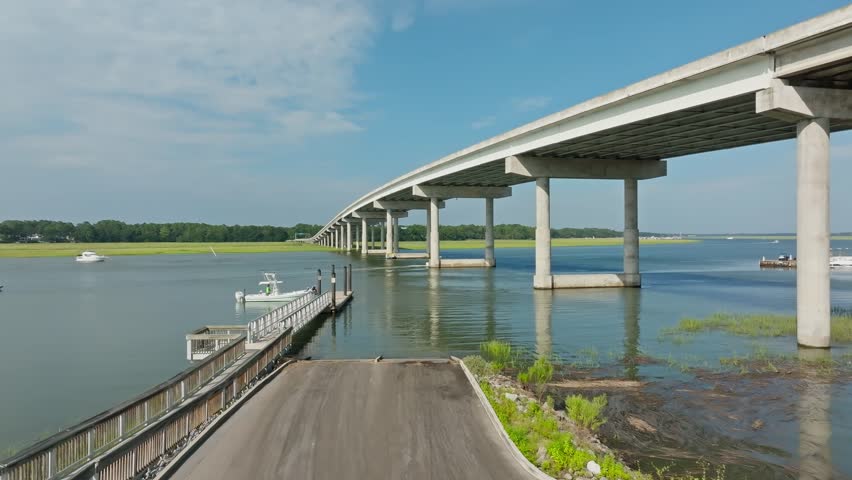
269	291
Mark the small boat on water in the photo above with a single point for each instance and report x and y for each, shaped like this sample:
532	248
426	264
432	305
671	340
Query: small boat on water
90	257
269	291
840	261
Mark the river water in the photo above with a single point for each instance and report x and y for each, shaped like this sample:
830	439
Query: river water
77	339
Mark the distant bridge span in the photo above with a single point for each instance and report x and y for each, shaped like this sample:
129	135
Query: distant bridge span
793	83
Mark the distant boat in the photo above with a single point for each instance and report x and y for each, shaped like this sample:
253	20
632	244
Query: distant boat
269	291
730	238
840	261
90	257
774	241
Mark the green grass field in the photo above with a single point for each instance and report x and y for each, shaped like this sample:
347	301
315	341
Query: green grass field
32	250
557	242
24	250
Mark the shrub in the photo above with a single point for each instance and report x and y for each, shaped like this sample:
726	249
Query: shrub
520	437
586	413
610	468
498	353
478	366
537	376
565	456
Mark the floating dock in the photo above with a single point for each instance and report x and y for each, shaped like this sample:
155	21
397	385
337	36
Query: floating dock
766	263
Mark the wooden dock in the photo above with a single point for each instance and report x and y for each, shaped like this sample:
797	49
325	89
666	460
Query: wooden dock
767	263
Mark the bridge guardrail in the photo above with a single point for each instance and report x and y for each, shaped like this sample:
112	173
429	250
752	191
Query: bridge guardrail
265	324
71	448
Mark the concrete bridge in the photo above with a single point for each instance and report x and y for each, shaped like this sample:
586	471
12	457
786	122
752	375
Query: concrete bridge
793	83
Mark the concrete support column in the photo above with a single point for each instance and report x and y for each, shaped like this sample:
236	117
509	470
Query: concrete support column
428	229
434	238
389	233
631	233
382	234
348	236
364	244
543	277
489	232
813	302
372	237
333	239
395	235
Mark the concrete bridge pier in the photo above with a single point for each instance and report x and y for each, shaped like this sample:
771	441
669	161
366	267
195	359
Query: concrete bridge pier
400	209
437	192
545	168
812	110
364	230
348	236
434	237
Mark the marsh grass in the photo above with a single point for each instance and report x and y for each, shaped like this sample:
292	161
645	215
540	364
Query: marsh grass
498	353
756	325
586	413
557	242
537	375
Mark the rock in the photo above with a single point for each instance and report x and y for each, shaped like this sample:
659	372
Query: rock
757	424
640	424
541	455
568	476
511	396
593	467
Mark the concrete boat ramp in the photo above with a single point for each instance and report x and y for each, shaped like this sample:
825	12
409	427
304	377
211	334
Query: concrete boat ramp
358	419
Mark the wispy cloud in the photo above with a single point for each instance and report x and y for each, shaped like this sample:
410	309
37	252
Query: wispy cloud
483	122
96	78
402	16
530	103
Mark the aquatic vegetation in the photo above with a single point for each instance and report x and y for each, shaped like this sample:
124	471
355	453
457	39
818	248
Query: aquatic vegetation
478	366
586	413
758	325
498	353
587	358
537	375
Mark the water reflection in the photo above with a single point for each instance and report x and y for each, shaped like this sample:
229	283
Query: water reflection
433	297
490	300
543	306
631	298
814	410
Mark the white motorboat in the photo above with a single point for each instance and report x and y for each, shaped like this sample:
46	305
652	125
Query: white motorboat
840	261
269	291
90	257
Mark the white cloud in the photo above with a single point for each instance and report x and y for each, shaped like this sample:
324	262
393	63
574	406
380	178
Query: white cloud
530	103
104	83
483	122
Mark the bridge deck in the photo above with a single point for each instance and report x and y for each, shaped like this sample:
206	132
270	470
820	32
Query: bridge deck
357	419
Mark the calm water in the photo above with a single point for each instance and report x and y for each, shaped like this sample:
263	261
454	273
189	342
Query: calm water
77	339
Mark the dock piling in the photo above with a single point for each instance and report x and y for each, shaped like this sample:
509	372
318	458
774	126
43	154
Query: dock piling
333	290
319	281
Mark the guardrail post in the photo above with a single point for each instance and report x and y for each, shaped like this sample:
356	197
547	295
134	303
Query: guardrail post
333	290
89	443
121	425
51	462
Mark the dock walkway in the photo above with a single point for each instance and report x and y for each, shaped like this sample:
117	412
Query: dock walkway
358	419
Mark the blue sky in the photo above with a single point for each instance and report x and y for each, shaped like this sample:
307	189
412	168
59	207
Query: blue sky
284	112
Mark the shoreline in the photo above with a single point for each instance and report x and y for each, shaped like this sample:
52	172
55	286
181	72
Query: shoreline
45	250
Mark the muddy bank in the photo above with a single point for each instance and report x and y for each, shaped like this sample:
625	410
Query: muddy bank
773	425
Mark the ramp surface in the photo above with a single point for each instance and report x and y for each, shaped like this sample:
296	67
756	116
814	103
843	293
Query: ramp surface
338	420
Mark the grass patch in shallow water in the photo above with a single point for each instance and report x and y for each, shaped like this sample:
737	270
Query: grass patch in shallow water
757	325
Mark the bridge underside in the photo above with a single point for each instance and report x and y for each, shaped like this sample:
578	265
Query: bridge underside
356	419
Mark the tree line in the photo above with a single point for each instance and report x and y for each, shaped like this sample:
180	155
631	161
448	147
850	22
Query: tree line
117	231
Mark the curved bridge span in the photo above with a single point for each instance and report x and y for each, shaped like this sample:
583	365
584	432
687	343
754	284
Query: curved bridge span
795	83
